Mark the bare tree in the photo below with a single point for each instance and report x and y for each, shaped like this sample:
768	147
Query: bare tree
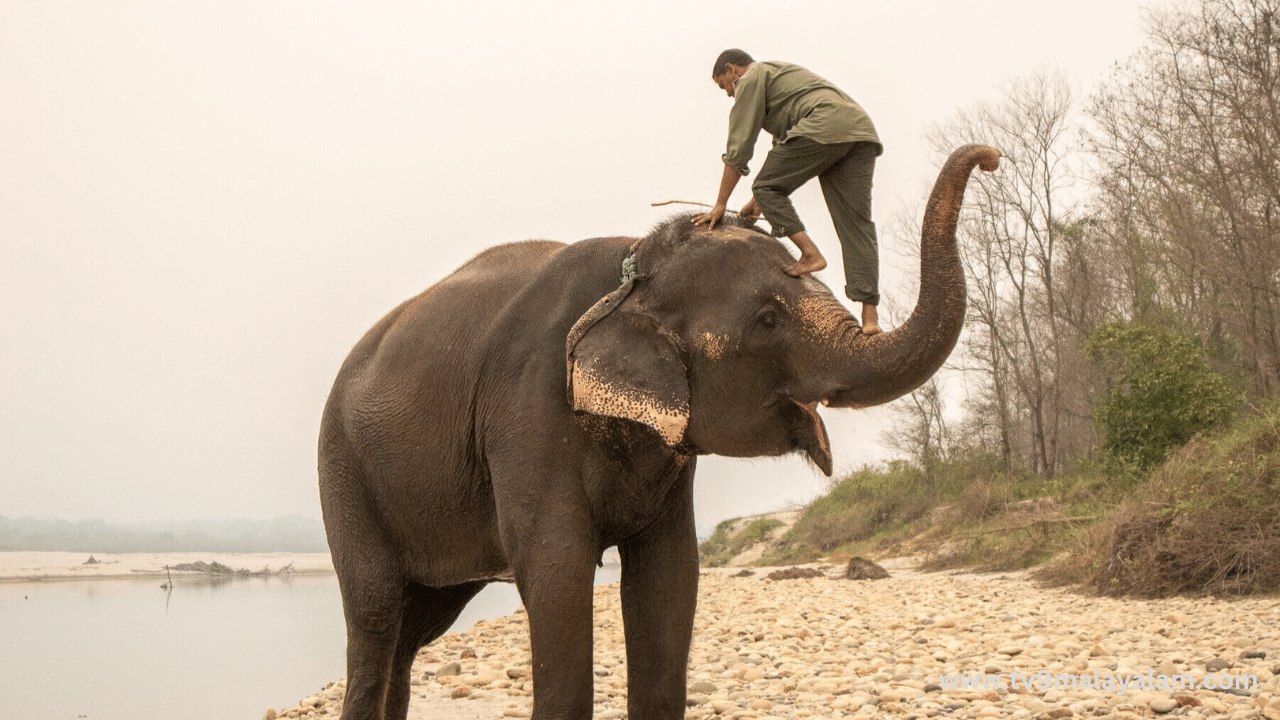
1189	134
1012	245
1183	228
920	431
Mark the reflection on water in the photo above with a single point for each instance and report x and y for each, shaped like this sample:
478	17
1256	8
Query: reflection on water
128	649
210	648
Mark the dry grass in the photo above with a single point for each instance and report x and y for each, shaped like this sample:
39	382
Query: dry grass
725	544
1207	522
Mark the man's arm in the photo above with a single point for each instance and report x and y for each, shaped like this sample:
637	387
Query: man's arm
728	181
745	120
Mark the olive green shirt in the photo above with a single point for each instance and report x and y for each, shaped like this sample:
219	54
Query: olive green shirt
789	101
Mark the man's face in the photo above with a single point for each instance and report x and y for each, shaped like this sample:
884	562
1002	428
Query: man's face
726	79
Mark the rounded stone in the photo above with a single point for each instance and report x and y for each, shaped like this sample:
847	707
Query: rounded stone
1216	665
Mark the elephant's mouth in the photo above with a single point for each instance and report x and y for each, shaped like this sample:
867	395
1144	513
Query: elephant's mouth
808	393
808	432
689	447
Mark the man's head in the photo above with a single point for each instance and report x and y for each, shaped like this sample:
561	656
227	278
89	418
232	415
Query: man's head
730	65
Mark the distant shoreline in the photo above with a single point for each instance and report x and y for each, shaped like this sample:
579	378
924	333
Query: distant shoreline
54	566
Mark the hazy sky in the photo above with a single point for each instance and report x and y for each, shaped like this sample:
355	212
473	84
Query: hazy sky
204	205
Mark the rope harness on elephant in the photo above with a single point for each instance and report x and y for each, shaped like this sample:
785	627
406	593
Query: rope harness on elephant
629	268
629	264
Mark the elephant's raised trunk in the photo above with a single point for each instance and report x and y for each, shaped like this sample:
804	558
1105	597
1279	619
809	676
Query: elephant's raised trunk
883	367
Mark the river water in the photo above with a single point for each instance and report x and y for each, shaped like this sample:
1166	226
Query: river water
126	649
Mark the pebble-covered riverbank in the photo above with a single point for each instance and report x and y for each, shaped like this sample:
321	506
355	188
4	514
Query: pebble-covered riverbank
825	648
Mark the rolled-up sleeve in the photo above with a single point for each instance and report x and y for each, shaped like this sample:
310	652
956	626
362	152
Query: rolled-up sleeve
745	120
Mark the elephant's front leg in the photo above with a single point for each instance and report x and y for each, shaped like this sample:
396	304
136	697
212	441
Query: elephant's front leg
555	572
659	598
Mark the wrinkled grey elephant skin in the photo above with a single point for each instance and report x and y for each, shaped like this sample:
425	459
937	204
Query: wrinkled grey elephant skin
530	410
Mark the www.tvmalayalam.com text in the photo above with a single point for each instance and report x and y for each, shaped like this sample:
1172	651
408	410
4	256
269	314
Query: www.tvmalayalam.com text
1118	683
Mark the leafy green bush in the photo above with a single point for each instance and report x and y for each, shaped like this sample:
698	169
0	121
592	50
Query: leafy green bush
1162	391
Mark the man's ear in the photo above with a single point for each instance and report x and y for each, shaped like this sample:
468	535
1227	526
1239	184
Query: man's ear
623	364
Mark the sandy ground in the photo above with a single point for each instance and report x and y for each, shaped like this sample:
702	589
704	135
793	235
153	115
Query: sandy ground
29	566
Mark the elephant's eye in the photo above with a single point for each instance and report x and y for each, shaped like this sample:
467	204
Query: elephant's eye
768	319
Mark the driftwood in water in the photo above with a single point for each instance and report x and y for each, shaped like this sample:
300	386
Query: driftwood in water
217	569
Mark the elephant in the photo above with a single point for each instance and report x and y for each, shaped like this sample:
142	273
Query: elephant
548	401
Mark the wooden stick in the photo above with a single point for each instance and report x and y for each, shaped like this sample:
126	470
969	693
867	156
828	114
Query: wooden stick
699	204
682	202
689	202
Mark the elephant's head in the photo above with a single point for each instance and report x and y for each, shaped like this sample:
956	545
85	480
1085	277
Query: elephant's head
720	351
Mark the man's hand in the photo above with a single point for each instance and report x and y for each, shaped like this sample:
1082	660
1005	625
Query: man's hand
709	219
751	210
728	181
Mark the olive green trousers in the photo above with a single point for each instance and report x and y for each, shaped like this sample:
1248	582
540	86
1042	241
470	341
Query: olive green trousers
844	170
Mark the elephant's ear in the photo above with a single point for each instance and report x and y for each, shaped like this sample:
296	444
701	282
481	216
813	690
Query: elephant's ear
623	364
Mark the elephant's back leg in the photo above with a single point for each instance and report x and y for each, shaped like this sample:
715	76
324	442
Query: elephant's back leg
428	613
370	574
372	600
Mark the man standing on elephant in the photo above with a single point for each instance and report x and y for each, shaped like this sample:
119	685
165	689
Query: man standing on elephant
818	131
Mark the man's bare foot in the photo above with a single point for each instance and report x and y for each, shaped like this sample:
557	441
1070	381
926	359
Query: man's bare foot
870	321
811	259
807	264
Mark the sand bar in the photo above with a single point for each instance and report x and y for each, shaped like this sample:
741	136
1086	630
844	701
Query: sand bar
29	566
